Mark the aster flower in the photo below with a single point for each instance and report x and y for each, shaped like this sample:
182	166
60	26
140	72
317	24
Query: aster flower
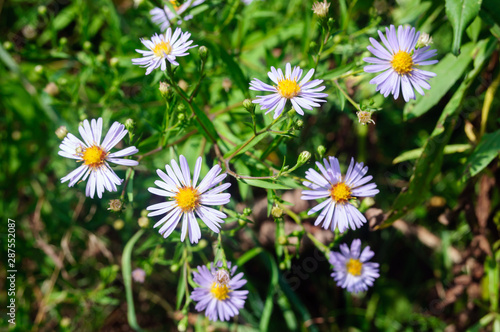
164	16
188	198
303	94
139	275
95	156
164	47
400	63
336	210
218	293
351	268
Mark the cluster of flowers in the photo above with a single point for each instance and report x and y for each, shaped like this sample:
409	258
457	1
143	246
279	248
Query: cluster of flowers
189	199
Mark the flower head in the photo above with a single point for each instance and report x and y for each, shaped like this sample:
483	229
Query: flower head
139	275
321	8
365	117
302	94
164	47
336	210
95	156
164	16
400	63
187	199
351	268
218	293
424	40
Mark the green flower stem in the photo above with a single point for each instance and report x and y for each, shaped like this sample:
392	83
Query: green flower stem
356	105
197	87
127	279
220	250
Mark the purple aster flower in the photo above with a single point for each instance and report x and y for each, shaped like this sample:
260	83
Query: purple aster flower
162	17
187	198
94	156
400	63
218	293
336	210
163	48
303	94
351	268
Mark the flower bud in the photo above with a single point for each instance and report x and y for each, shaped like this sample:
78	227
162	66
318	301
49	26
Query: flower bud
313	47
7	45
38	69
365	117
282	240
247	211
87	45
203	243
329	23
282	266
129	124
424	40
63	41
248	105
166	91
115	205
143	222
321	8
227	84
29	32
321	150
203	51
181	117
65	322
118	224
113	62
51	89
182	326
174	267
299	124
42	10
304	156
276	212
61	132
183	85
181	108
241	222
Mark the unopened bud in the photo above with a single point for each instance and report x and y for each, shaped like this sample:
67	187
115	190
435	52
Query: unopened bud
181	117
313	47
424	40
276	212
248	105
61	132
65	322
299	124
29	32
144	213
321	150
304	156
203	51
42	10
143	222
247	211
203	243
100	58
113	62
241	222
227	84
365	117
282	240
174	267
51	89
129	124
296	233
183	85
38	69
7	45
87	45
166	91
330	22
63	41
182	326
118	224
321	8
282	266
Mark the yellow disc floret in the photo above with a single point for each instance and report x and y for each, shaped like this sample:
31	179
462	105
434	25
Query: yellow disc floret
354	266
340	192
288	88
187	198
402	63
175	4
220	291
93	156
162	49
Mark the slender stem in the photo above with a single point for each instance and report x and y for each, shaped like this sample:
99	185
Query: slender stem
356	105
197	87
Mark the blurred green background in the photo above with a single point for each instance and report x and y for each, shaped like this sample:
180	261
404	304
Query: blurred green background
435	161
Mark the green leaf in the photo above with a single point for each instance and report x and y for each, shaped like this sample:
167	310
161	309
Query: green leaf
461	13
414	154
448	72
264	184
127	279
487	150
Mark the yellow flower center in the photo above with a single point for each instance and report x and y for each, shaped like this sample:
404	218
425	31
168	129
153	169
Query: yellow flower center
220	291
340	192
93	156
175	4
161	49
288	88
354	266
187	199
402	63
